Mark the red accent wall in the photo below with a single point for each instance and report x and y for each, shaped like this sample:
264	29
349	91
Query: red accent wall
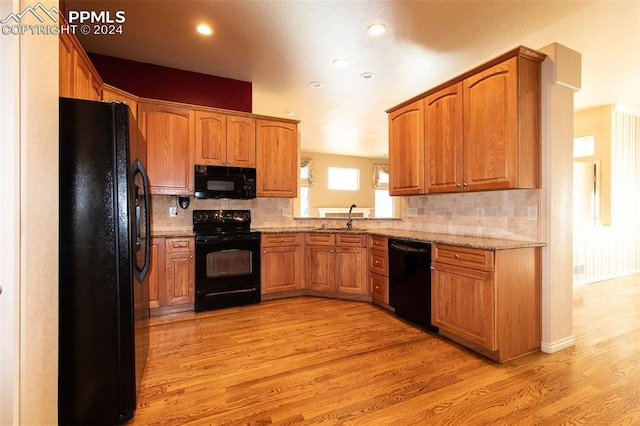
170	84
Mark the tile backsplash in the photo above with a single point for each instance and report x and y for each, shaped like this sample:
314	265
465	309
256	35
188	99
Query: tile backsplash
511	214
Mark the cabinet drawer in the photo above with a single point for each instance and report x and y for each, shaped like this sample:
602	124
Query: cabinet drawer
379	287
276	240
463	256
377	242
378	262
320	239
351	240
180	244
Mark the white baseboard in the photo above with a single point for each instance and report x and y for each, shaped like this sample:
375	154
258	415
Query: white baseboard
553	347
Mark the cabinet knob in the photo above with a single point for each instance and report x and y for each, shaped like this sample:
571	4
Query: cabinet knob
457	256
377	262
191	257
458	185
264	252
465	184
281	240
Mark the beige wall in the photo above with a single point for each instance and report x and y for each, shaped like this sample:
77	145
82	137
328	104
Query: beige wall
322	196
597	121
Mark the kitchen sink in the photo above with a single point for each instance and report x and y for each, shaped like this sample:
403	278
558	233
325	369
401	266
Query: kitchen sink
328	228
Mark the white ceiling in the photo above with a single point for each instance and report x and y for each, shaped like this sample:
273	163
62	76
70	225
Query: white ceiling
281	46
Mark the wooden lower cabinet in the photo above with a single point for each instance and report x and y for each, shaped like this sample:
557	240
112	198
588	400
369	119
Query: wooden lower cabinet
488	300
171	275
378	271
336	263
282	263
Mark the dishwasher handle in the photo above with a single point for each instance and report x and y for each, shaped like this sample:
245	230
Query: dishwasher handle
408	249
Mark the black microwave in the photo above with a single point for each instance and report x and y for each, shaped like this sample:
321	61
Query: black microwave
225	182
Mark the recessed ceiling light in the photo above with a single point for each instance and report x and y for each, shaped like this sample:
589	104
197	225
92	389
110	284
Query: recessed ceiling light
204	29
376	29
315	84
340	63
366	75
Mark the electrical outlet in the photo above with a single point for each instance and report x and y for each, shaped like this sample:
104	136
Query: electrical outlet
173	211
285	212
412	211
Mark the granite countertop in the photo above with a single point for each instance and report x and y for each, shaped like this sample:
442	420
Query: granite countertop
486	243
169	233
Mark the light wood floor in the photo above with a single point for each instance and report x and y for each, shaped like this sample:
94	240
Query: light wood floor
320	361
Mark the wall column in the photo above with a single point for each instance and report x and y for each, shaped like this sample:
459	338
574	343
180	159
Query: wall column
561	77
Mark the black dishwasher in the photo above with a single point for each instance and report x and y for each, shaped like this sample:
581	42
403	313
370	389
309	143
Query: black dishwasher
410	280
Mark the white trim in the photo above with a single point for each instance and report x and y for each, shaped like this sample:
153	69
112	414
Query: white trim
558	345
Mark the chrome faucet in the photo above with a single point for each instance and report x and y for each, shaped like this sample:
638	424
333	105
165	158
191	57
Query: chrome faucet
350	221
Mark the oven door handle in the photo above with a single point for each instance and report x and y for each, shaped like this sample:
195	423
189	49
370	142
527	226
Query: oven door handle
218	293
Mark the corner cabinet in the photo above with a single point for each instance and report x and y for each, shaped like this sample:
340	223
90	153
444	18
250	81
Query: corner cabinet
406	150
479	131
488	300
170	134
337	264
225	140
277	158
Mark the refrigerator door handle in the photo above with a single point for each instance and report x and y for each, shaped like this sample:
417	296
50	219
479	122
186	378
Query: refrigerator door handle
138	167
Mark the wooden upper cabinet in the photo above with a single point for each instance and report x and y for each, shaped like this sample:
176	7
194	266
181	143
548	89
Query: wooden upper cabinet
241	141
406	150
65	75
444	139
77	76
170	134
113	94
225	140
211	134
277	158
480	131
502	126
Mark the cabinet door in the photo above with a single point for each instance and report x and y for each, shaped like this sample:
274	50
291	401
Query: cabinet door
282	269
157	274
320	268
491	127
180	278
351	270
66	66
211	139
241	141
169	133
406	150
277	159
463	303
443	140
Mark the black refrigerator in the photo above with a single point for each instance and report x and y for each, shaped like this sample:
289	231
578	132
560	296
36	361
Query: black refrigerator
103	252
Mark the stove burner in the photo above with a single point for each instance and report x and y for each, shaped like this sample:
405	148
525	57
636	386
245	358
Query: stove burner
218	222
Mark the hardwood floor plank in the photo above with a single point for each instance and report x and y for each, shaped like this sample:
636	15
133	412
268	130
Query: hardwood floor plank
315	361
